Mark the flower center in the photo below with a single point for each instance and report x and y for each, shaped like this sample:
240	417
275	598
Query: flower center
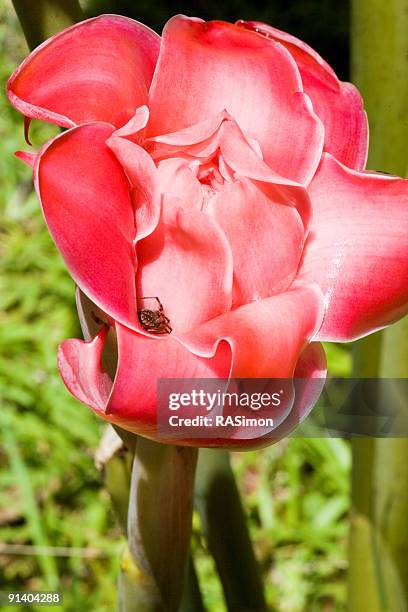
212	176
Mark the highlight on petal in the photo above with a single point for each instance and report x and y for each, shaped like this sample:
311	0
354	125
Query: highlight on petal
131	400
178	183
266	336
143	360
86	203
143	180
308	384
79	366
357	250
186	262
206	68
266	235
96	70
339	105
134	128
194	133
238	337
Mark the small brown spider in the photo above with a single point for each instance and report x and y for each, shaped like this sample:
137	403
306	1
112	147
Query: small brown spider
154	321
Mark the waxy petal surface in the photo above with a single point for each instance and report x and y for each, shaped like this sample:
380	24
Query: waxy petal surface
339	105
143	360
85	198
97	70
79	366
206	68
143	182
177	182
187	264
131	400
266	237
310	377
266	336
357	250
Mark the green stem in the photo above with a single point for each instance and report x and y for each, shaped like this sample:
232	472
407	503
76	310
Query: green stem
192	600
391	466
40	19
224	526
378	574
159	526
115	457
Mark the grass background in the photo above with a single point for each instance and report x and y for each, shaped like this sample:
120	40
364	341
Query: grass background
296	493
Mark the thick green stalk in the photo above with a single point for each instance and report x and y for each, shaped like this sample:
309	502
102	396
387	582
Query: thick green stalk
391	466
115	457
159	527
378	575
224	526
192	600
40	19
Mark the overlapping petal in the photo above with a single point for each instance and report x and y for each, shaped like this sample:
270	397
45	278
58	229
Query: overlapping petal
357	249
131	400
205	68
97	70
187	264
143	182
79	365
339	105
178	183
266	237
266	336
85	197
309	380
237	156
263	339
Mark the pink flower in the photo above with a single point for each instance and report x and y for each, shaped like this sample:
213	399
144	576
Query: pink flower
221	169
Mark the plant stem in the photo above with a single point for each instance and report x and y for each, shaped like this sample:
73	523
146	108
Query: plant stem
378	573
159	526
224	526
115	457
40	19
192	600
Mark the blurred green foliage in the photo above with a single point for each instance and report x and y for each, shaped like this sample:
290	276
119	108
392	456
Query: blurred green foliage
51	495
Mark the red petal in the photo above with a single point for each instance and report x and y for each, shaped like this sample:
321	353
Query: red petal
131	401
205	68
27	157
97	70
142	361
144	182
339	105
358	249
85	198
266	336
312	368
79	365
187	264
266	236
